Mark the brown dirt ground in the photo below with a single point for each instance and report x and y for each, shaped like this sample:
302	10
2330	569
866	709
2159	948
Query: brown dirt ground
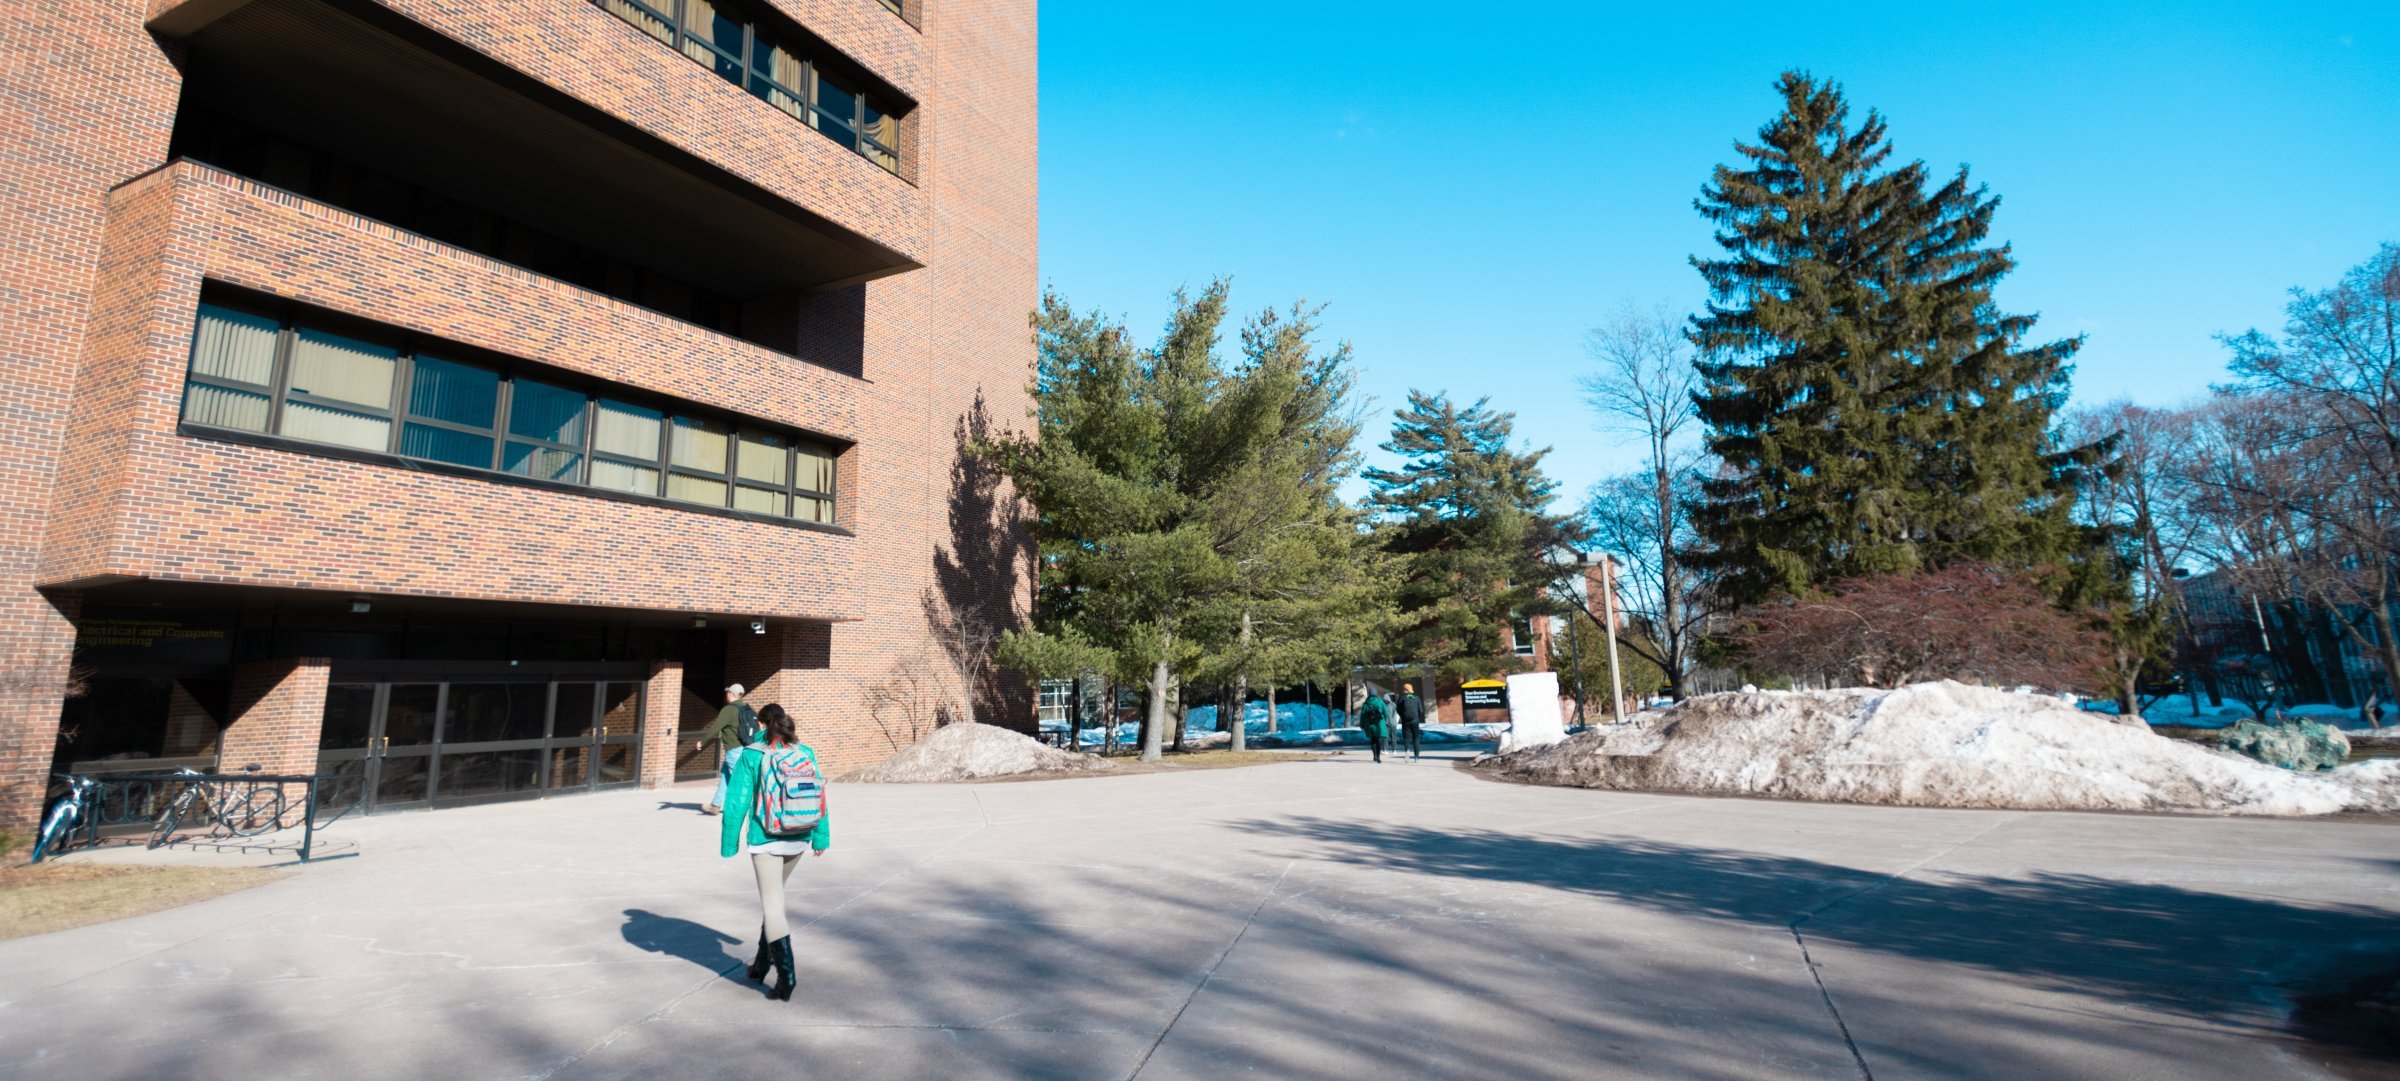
53	897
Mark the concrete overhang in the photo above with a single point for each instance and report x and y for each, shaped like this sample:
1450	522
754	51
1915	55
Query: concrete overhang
358	80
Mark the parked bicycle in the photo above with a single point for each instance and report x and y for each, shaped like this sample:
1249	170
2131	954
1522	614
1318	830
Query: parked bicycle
244	808
72	810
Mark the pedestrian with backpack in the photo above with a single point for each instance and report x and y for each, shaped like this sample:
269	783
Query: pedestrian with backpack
1371	720
736	727
778	816
1412	720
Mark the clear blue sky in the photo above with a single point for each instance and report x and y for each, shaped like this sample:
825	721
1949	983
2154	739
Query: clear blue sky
1468	194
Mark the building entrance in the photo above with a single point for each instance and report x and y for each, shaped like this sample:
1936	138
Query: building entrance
408	743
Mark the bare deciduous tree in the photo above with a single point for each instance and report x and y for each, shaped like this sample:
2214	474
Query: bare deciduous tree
1642	385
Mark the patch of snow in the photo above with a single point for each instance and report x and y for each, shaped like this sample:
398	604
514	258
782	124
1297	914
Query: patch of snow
2177	710
962	752
1936	745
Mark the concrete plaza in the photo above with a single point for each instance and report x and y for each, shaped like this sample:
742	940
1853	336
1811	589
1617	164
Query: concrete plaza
1320	919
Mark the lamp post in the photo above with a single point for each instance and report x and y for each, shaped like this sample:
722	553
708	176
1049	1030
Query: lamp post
1608	606
1616	672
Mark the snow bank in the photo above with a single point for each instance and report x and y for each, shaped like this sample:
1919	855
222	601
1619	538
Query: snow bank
1352	737
1936	745
962	752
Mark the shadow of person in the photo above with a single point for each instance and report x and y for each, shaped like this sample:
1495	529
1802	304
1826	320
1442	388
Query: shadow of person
672	805
702	946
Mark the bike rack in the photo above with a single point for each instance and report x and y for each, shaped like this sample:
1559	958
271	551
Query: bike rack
117	790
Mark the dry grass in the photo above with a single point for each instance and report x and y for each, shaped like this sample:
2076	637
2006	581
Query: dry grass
1177	762
54	897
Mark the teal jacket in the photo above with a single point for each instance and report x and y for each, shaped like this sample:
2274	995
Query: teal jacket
1373	716
741	790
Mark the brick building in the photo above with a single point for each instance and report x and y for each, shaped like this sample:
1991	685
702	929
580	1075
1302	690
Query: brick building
454	395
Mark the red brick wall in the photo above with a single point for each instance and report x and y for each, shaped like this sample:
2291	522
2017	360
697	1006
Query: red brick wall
600	59
278	710
79	110
96	305
205	510
662	706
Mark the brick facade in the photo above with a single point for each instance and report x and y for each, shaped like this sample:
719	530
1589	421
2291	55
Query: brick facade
110	243
277	707
662	703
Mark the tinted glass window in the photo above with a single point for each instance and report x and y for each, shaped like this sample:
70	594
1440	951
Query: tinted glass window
542	411
458	393
234	345
627	430
343	369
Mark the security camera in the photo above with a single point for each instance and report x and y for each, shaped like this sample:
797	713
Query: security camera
758	626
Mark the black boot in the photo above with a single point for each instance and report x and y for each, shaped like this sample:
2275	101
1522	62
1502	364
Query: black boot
758	964
782	949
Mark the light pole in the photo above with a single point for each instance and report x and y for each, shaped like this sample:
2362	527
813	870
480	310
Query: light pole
1608	605
1616	672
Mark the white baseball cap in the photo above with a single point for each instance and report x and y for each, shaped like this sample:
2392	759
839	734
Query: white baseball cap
736	690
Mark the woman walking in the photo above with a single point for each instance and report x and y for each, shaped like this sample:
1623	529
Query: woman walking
775	812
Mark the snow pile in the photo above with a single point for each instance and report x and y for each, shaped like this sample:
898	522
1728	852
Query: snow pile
961	752
1936	745
1352	737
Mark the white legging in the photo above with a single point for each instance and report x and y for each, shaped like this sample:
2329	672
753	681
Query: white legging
772	870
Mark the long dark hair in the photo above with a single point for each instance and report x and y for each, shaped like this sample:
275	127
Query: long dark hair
778	724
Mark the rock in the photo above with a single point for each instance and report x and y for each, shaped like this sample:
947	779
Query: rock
2296	744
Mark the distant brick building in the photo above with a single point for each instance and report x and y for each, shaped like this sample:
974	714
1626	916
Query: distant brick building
454	395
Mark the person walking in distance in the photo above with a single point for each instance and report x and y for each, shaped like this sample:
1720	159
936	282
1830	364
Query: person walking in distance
776	815
1372	717
736	725
1412	720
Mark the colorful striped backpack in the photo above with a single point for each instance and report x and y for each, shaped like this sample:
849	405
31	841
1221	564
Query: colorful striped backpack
791	796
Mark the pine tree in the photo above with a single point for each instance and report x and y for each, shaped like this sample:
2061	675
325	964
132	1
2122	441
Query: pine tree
1468	517
1175	495
1873	410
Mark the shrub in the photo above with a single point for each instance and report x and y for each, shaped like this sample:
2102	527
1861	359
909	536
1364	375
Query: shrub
1970	622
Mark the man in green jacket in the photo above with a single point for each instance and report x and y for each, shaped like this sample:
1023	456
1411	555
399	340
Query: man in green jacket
733	729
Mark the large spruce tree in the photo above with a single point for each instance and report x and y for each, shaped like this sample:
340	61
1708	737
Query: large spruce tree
1873	409
1468	517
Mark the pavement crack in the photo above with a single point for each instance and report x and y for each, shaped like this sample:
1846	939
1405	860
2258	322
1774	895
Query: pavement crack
1815	971
1865	1073
1143	1063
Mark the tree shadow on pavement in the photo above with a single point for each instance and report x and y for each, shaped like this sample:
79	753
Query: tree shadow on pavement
2225	960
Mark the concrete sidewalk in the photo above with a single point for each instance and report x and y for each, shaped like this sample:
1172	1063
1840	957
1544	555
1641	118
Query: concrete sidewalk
1320	919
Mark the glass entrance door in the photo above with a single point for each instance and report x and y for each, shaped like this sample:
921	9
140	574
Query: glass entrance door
404	746
390	746
595	735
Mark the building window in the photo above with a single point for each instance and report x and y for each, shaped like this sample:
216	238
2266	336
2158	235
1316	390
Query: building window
1057	701
772	67
253	370
1520	632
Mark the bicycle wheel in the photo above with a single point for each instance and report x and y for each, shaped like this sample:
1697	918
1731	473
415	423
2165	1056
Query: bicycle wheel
170	818
254	813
